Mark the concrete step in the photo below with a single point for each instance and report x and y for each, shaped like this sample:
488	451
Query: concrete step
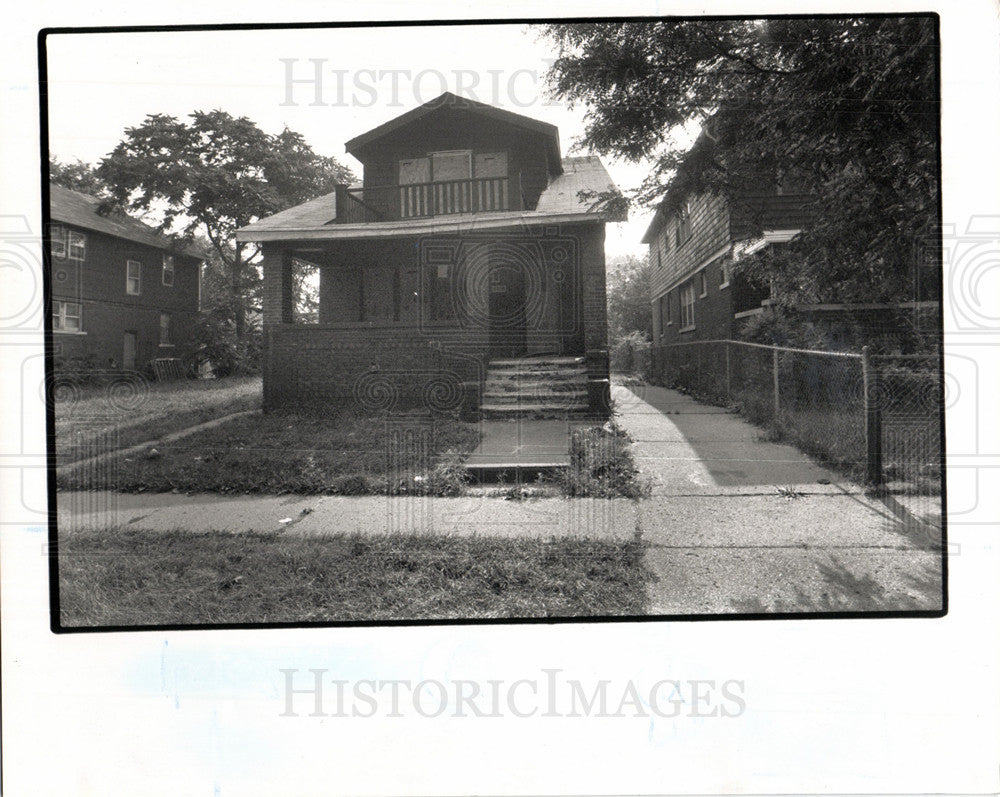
538	410
536	362
553	386
534	396
539	373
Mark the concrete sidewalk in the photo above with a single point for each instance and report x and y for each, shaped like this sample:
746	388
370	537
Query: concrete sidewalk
740	525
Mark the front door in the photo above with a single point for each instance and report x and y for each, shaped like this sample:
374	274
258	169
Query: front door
508	325
128	351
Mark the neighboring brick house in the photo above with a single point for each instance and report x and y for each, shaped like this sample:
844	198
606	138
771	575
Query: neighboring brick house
122	293
693	242
468	255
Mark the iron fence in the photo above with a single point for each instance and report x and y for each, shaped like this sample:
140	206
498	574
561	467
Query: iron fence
877	418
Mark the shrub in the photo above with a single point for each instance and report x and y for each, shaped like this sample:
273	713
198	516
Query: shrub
631	354
601	464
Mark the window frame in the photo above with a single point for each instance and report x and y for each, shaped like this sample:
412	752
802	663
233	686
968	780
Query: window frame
682	229
60	314
168	259
165	328
57	241
76	240
129	278
687	302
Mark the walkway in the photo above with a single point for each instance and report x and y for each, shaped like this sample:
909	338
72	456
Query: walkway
736	524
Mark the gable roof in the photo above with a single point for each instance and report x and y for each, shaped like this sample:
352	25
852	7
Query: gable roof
559	202
80	210
448	100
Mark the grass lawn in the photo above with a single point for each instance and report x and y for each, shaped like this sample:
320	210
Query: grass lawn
130	577
144	411
281	453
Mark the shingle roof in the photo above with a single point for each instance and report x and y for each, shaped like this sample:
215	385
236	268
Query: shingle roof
80	210
560	199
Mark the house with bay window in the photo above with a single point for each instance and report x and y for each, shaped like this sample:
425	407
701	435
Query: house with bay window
122	294
465	270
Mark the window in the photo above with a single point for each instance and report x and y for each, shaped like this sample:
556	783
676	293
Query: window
667	319
57	240
682	232
77	245
66	317
164	329
453	165
702	284
168	270
133	277
724	273
687	306
438	276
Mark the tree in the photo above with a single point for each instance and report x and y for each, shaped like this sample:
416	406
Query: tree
216	173
847	106
78	176
628	298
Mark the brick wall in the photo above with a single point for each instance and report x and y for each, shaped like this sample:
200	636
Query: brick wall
98	284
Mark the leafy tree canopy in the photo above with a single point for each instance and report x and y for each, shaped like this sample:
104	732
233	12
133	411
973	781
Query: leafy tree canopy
215	173
846	108
77	176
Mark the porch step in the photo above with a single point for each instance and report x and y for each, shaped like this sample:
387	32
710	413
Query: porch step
535	387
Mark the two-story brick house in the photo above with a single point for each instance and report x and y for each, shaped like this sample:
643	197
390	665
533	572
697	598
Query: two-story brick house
122	293
470	257
694	240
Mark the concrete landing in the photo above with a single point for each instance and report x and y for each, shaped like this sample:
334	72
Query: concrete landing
522	446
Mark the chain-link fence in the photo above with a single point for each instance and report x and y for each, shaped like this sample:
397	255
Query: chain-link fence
876	418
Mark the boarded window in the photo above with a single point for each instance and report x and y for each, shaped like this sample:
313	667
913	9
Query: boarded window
414	170
453	165
491	164
164	329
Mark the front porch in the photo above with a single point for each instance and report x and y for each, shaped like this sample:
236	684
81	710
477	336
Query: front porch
408	322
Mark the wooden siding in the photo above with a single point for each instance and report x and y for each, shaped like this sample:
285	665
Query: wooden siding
709	232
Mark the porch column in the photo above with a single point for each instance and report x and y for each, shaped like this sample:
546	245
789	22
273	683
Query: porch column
595	314
277	299
276	310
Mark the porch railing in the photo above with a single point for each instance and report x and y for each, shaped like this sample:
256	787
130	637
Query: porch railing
422	200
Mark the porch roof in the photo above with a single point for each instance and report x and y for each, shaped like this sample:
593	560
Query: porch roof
559	203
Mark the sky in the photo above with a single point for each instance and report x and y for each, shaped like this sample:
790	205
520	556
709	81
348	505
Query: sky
102	83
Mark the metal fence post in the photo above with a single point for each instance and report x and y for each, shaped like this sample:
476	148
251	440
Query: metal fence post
728	388
873	420
777	393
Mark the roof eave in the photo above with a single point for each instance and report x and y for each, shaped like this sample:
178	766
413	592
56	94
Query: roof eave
381	229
